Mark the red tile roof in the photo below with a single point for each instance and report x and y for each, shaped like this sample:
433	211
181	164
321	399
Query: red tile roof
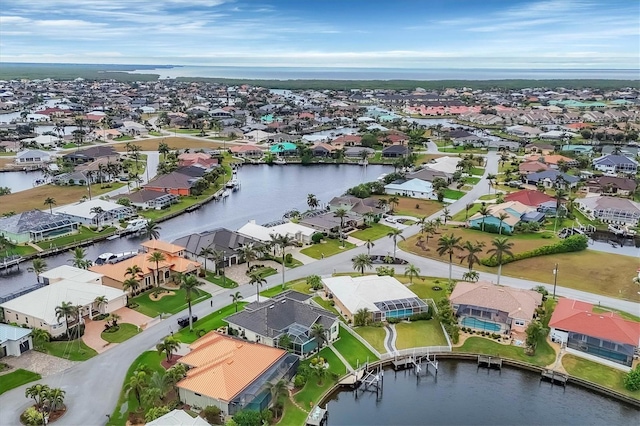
578	317
529	197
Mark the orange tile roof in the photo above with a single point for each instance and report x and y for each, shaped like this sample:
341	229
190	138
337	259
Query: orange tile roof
578	317
223	366
118	270
162	246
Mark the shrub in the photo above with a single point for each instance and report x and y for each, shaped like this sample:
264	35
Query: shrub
571	244
31	417
632	379
299	381
132	305
211	414
100	317
317	237
492	229
288	258
422	316
155	412
393	320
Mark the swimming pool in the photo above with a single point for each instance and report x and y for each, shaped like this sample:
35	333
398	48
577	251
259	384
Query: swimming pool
480	324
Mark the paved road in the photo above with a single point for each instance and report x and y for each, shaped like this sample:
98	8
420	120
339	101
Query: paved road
93	386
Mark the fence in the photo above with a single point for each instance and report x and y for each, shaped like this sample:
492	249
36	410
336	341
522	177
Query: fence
425	350
361	340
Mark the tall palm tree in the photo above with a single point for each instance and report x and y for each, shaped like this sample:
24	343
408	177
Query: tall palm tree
206	253
248	253
66	310
429	228
393	202
319	334
491	180
341	213
235	299
157	257
472	253
137	383
38	266
283	241
394	234
38	393
278	390
446	215
55	399
190	283
152	230
130	284
369	245
448	244
412	271
101	302
484	211
169	345
501	217
312	201
79	260
421	223
49	201
466	209
501	248
362	262
219	258
258	281
40	336
98	211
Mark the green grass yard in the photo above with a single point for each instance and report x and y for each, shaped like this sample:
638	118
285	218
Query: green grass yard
353	350
218	280
453	194
326	305
311	392
292	414
328	247
462	215
419	333
16	378
373	232
373	335
125	332
477	171
544	356
608	377
83	234
213	321
74	350
297	285
166	305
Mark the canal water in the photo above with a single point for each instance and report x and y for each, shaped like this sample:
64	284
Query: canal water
462	394
266	193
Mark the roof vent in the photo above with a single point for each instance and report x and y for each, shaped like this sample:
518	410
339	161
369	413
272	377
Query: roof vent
284	300
271	307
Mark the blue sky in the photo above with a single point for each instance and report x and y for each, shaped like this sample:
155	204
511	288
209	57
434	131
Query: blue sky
341	33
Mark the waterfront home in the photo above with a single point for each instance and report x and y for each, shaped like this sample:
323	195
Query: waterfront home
297	231
356	152
614	210
414	188
91	154
146	199
329	223
197	159
553	161
395	151
14	341
32	157
247	151
591	333
514	212
428	174
489	307
527	167
115	272
347	140
384	296
615	164
220	239
323	150
175	183
289	313
610	185
446	164
284	148
552	179
359	206
96	212
37	309
533	198
34	226
232	374
524	131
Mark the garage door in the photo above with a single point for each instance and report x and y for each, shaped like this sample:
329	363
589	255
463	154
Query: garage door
24	346
3	351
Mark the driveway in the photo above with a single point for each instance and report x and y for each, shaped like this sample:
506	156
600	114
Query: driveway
92	335
238	273
38	362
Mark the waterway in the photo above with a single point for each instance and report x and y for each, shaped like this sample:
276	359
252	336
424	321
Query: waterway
463	395
266	193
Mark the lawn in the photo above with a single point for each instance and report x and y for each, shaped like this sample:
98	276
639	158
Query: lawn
11	249
471	180
462	215
218	280
297	285
127	401
415	207
453	194
125	332
326	305
462	150
292	414
373	232
312	392
182	204
34	198
373	335
328	247
544	356
17	378
265	272
167	305
83	234
419	333
477	171
213	321
74	350
173	142
597	373
352	349
124	138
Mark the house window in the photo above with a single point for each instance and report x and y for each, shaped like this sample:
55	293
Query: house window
519	323
166	274
17	316
26	320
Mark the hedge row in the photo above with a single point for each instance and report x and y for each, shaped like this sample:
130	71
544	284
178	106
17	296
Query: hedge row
568	245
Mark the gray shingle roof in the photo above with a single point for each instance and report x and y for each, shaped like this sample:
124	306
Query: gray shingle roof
218	239
32	220
551	174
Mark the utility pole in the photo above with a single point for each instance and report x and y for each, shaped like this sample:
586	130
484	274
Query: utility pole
555	280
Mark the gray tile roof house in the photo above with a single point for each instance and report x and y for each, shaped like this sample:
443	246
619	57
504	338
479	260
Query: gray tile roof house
218	239
35	225
284	314
615	163
549	177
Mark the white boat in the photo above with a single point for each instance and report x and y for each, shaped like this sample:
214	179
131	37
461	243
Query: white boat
279	161
233	183
621	230
136	225
225	193
114	257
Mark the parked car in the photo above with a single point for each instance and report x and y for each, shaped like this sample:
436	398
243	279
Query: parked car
184	321
389	219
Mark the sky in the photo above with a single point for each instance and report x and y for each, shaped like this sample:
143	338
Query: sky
600	34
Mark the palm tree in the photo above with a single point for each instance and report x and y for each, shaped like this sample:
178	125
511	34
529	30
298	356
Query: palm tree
137	383
319	334
49	201
38	393
283	241
362	262
130	284
501	247
490	179
98	211
133	271
394	234
448	244
219	258
446	215
257	280
79	260
206	253
38	266
55	399
341	213
437	222
421	223
66	310
278	390
369	245
535	330
152	230
362	317
484	211
412	271
157	257
248	253
312	201
429	228
472	250
393	202
235	298
471	276
190	283
501	217
40	336
101	302
160	381
169	345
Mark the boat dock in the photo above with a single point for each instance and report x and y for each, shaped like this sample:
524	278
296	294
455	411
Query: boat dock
317	417
10	261
554	377
353	380
489	362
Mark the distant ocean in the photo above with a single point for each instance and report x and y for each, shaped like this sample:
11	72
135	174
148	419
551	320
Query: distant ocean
327	73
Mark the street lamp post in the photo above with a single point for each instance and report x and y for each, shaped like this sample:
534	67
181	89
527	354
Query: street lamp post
555	280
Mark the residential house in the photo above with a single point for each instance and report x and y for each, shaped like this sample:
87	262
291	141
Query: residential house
329	223
536	199
356	152
37	309
538	148
524	131
528	167
551	179
613	164
96	212
90	154
14	341
384	296
173	183
514	212
247	151
414	188
178	418
34	226
610	185
613	210
428	175
197	159
489	307
359	206
232	374
446	164
220	239
591	333
289	313
323	150
146	199
395	151
553	161
33	157
115	271
347	140
297	231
